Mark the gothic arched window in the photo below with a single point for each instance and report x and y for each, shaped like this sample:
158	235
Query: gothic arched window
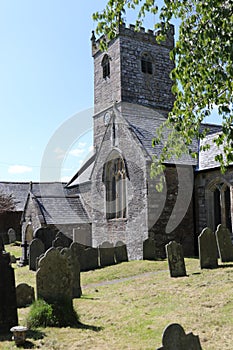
219	205
115	188
106	66
146	63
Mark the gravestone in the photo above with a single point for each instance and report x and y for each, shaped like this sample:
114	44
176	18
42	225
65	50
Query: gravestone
88	257
175	258
225	247
208	252
62	240
106	254
72	256
11	235
53	277
149	250
57	243
8	305
46	235
25	295
174	338
36	248
121	254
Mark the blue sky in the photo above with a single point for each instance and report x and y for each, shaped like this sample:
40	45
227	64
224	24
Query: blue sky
46	72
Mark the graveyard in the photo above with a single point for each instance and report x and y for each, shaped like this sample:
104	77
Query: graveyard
128	306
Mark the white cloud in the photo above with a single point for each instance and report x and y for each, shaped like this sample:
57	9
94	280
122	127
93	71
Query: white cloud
19	169
81	144
91	148
76	152
59	153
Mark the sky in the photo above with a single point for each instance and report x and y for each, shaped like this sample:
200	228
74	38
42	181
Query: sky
46	87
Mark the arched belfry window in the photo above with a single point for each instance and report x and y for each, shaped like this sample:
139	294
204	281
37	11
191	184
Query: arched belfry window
106	66
115	187
146	63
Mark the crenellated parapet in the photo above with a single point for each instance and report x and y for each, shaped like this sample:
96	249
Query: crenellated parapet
142	34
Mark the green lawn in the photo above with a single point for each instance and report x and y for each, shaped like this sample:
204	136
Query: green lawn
127	306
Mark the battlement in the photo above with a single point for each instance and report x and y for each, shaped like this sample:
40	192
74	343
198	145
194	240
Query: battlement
141	35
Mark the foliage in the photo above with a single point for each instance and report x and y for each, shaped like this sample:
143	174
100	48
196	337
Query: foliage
7	202
43	314
203	73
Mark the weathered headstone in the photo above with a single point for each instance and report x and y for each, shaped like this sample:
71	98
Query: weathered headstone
63	240
120	252
72	256
174	338
53	277
46	235
149	251
106	254
36	248
11	235
208	252
225	247
25	295
58	242
175	258
88	257
8	305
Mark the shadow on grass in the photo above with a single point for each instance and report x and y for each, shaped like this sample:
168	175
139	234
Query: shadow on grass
89	327
223	265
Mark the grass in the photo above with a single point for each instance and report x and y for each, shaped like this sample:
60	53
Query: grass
133	312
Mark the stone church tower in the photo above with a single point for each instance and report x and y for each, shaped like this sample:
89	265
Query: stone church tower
135	70
132	96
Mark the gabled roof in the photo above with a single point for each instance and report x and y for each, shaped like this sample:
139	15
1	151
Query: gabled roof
20	190
144	129
60	210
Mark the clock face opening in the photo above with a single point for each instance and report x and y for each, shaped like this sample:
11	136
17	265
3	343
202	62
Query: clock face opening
107	118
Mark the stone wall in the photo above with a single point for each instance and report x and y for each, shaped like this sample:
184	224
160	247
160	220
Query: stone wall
132	230
167	222
204	184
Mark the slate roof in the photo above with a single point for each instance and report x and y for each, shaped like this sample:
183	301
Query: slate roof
144	129
206	158
61	210
20	190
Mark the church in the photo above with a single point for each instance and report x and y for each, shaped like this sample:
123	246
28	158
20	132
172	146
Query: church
116	196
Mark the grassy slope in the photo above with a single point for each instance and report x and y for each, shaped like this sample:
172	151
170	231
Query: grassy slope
132	313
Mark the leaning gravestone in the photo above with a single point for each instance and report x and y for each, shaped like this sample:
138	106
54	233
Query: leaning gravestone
72	256
225	247
36	248
175	258
208	252
120	252
8	305
174	338
25	295
53	277
106	254
11	235
149	250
